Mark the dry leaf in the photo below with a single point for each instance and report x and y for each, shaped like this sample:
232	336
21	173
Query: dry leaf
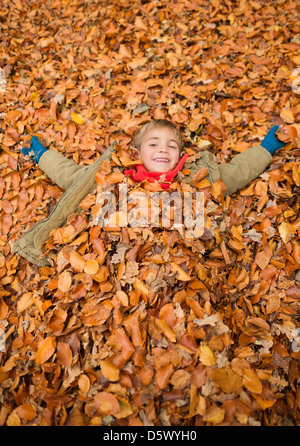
251	381
145	325
45	350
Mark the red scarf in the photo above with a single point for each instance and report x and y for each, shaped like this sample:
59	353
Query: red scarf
141	173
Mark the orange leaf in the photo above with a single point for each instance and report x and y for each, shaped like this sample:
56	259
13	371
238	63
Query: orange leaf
25	302
262	259
12	116
166	330
106	403
84	383
77	261
3	309
266	398
228	380
251	381
182	275
163	375
109	370
115	177
287	116
64	354
26	411
64	281
91	266
45	350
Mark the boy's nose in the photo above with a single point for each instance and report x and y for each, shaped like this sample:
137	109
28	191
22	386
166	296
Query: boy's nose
163	148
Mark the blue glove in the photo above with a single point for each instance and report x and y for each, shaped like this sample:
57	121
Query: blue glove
271	143
36	149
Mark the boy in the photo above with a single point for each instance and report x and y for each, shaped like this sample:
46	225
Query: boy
159	145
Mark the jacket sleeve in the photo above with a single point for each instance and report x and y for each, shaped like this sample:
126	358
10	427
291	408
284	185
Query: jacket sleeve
244	168
61	170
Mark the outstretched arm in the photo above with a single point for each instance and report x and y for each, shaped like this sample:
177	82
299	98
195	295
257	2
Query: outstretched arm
62	171
246	166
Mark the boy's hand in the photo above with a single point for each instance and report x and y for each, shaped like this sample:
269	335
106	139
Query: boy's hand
271	143
35	151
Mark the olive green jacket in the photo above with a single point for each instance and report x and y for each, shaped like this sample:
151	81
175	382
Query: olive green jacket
78	181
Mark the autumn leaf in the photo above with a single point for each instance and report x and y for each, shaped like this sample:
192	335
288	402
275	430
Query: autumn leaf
106	403
182	275
84	383
91	266
251	381
214	415
109	370
64	354
286	230
64	281
146	325
77	118
228	380
206	355
45	350
266	399
26	411
77	261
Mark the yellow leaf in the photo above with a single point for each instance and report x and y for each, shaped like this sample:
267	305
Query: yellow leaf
201	406
286	231
13	419
251	381
214	415
77	118
125	408
206	355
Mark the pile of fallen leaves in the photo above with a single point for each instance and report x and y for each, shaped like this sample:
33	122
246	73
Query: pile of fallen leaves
140	325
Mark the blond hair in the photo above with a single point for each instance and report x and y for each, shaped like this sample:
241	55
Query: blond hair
156	123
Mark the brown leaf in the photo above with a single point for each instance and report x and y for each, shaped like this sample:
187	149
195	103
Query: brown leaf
64	354
228	380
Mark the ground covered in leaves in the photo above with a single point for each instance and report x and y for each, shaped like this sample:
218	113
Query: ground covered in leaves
140	326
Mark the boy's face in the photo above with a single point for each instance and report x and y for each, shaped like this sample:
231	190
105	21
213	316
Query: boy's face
159	150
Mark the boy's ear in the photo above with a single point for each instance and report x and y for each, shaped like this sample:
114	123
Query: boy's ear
135	152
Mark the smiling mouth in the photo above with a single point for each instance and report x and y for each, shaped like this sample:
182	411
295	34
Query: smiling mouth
161	160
